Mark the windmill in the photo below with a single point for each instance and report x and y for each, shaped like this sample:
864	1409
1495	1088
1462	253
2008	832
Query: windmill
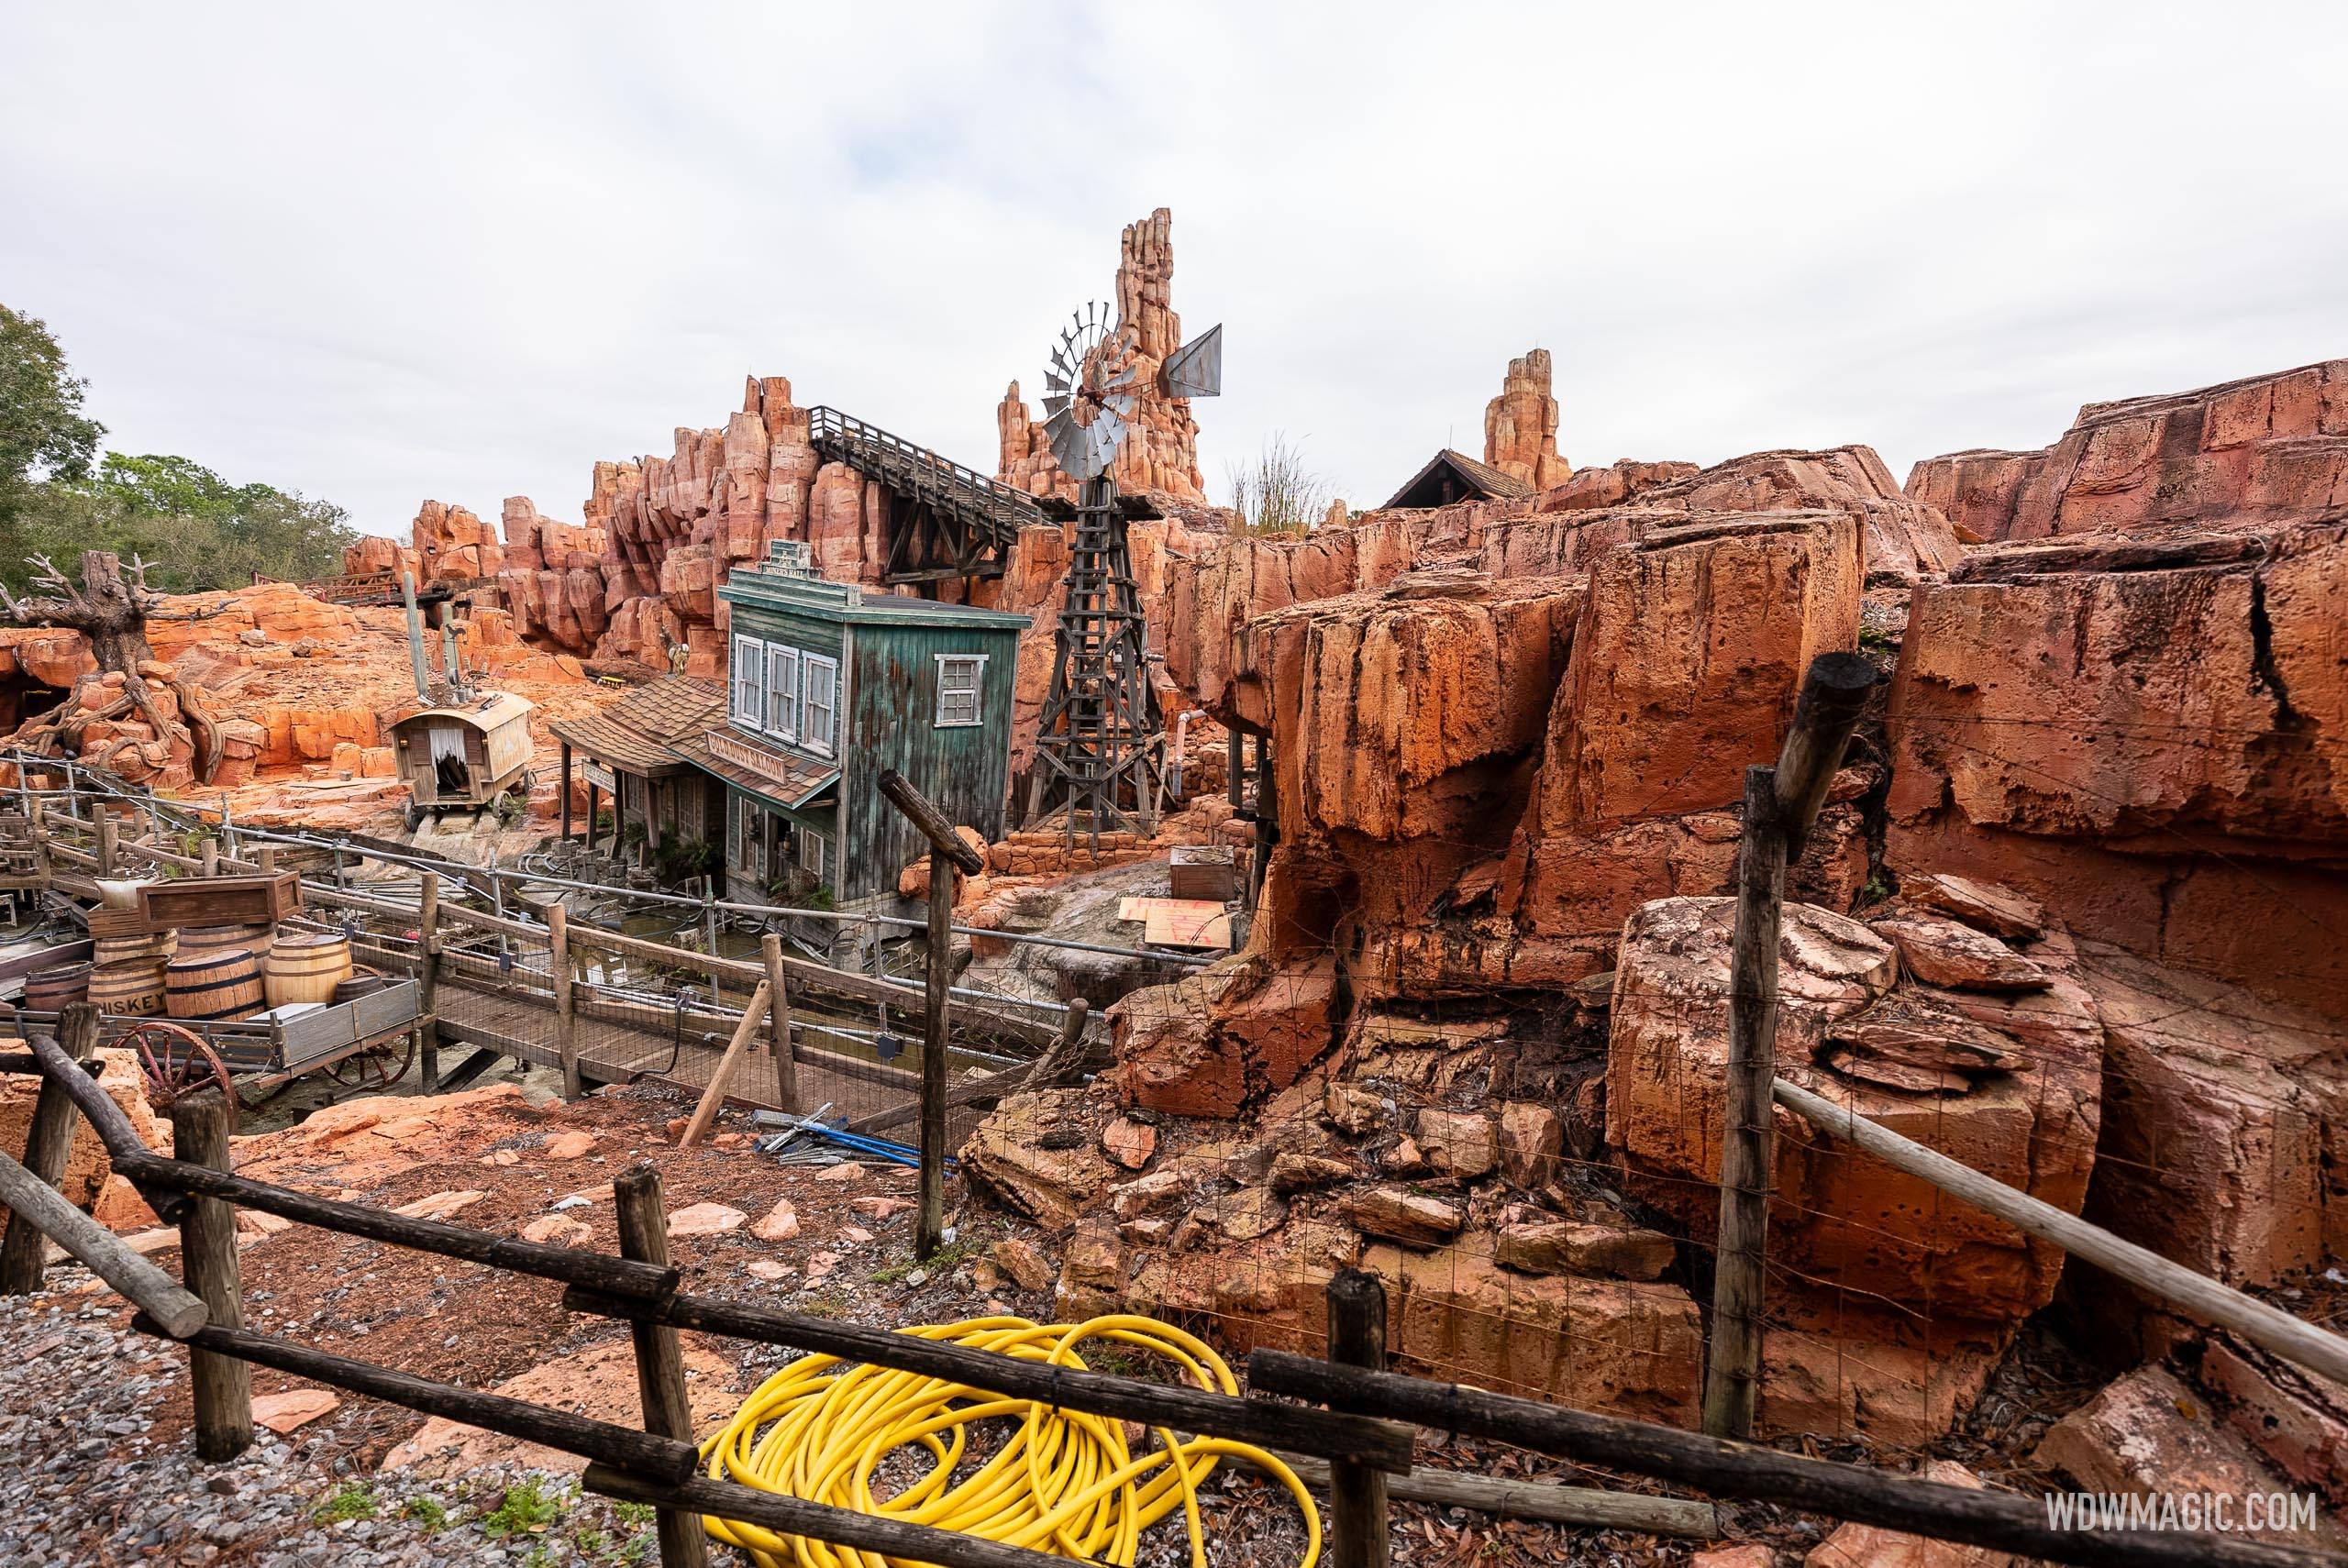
1099	750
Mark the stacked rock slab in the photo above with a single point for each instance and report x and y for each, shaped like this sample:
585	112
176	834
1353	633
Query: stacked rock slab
2266	451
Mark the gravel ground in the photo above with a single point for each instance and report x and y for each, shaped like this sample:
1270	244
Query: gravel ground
83	1481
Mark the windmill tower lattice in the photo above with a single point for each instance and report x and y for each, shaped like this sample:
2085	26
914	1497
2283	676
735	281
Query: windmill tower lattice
1100	750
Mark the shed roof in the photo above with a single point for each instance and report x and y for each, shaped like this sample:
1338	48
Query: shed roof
785	780
492	711
638	733
1478	478
847	601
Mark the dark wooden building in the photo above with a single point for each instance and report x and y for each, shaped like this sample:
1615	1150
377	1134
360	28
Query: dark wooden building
1450	477
630	754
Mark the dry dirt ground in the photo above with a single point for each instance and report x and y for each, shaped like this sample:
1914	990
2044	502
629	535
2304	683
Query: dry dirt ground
96	1461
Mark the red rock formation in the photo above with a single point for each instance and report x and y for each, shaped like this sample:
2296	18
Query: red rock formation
1161	451
450	542
2148	734
2269	450
374	553
1521	425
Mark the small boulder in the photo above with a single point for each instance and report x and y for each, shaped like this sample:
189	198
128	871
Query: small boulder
569	1146
1244	1215
1571	1246
1353	1110
293	1409
1412	1218
1294	1171
440	1205
1025	1262
1129	1142
877	1206
1985	906
768	1270
777	1224
1531	1139
705	1219
557	1231
1854	1545
1942	953
846	1171
1457	1142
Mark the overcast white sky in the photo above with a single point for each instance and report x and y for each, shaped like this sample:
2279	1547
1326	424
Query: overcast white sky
377	253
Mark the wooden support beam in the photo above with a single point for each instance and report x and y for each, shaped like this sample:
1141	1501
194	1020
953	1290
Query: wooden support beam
786	1059
223	1385
2270	1328
1358	1523
566	1013
427	975
569	1265
471	1068
929	1222
875	1536
177	1313
47	1142
2000	1521
659	1365
666	1460
1780	803
705	1112
1541	1500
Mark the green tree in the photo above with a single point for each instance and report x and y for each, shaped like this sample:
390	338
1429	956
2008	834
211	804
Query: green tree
44	436
203	532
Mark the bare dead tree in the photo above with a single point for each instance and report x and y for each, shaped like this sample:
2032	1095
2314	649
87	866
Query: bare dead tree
111	607
1276	493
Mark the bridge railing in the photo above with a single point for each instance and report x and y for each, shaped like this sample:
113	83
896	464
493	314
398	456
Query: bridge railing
998	502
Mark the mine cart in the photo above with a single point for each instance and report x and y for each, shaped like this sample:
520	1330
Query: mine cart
368	1042
461	756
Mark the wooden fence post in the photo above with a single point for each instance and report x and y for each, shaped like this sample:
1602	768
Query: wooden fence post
427	977
267	858
947	851
1358	1528
1780	803
659	1365
566	1007
45	1145
786	1060
106	835
209	852
223	1384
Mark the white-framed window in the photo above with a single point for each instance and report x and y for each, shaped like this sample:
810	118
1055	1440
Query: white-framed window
959	677
783	691
815	854
819	709
749	681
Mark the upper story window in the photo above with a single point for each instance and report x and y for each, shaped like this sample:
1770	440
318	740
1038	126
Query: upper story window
959	677
819	706
783	691
749	683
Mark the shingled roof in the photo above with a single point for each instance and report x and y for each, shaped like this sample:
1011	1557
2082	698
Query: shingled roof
638	733
1469	480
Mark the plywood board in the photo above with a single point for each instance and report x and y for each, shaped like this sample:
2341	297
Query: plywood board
1178	922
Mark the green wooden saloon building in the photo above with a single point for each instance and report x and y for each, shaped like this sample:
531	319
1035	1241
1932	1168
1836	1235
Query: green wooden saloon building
829	686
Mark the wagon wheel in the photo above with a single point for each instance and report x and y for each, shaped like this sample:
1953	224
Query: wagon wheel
377	1067
178	1061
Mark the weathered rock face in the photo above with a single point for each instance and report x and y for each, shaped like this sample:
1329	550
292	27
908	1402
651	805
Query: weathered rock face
1521	425
2023	1111
452	543
2221	1128
1161	451
374	553
2149	735
2269	450
86	1169
1903	538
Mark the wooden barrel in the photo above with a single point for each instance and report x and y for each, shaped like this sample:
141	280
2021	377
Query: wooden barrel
305	968
203	939
133	987
221	983
48	990
157	946
359	986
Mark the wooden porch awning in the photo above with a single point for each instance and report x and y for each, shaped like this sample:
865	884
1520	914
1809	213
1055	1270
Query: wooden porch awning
781	780
639	733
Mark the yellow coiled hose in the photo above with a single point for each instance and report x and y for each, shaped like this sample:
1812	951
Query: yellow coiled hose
1065	1483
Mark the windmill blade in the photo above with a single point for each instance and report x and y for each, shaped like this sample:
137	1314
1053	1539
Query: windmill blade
1055	403
1195	370
1071	445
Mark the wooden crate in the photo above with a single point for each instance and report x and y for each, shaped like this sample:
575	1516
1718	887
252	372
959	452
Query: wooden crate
221	900
1206	871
